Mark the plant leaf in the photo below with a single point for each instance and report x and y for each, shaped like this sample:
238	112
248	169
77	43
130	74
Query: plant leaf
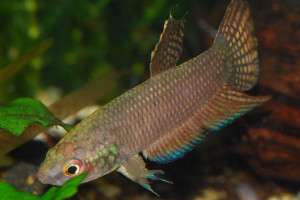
7	72
65	191
54	193
13	193
20	113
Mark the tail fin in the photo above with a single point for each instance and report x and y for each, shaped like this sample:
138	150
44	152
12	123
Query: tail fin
236	27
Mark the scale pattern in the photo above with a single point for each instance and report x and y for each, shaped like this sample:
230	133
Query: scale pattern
167	115
144	114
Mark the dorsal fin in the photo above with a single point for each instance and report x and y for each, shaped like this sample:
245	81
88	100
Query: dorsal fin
224	106
169	47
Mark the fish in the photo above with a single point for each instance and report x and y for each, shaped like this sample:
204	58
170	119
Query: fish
166	116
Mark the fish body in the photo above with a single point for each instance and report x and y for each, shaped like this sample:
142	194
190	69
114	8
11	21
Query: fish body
167	115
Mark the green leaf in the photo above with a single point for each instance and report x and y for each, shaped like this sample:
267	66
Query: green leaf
65	191
54	193
12	193
20	113
14	67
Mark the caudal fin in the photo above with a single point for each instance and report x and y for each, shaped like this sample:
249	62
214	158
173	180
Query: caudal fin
236	27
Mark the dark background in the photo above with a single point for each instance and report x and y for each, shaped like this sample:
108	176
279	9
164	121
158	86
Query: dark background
258	155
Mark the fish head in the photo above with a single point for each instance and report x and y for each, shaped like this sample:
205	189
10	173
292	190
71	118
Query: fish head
69	159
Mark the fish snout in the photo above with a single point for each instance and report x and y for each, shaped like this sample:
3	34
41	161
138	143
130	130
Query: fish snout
52	179
42	177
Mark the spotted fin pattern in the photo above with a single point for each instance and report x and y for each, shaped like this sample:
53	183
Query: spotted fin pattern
168	114
224	107
237	28
169	46
226	104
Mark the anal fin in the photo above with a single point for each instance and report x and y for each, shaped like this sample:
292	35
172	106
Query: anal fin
224	106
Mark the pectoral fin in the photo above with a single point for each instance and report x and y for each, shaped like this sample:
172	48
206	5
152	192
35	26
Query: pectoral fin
135	169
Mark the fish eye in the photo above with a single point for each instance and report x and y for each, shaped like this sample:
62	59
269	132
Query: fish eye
72	167
72	170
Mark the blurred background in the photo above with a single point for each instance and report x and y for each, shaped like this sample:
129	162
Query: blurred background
256	157
90	38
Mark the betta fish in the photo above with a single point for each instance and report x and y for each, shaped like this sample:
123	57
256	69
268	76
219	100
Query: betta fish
170	113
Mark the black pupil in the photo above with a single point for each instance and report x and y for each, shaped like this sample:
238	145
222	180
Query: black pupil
72	170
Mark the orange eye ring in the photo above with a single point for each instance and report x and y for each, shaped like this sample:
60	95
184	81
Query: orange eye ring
72	167
72	170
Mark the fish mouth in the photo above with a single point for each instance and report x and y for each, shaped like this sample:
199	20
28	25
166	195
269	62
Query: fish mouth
51	180
41	177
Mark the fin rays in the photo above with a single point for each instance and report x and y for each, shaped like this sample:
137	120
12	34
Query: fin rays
223	108
169	46
237	28
134	168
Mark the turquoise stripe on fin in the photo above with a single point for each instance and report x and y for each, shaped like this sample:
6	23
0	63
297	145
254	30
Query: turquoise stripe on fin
169	156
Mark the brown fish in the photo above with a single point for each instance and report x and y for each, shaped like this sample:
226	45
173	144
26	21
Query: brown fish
168	114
